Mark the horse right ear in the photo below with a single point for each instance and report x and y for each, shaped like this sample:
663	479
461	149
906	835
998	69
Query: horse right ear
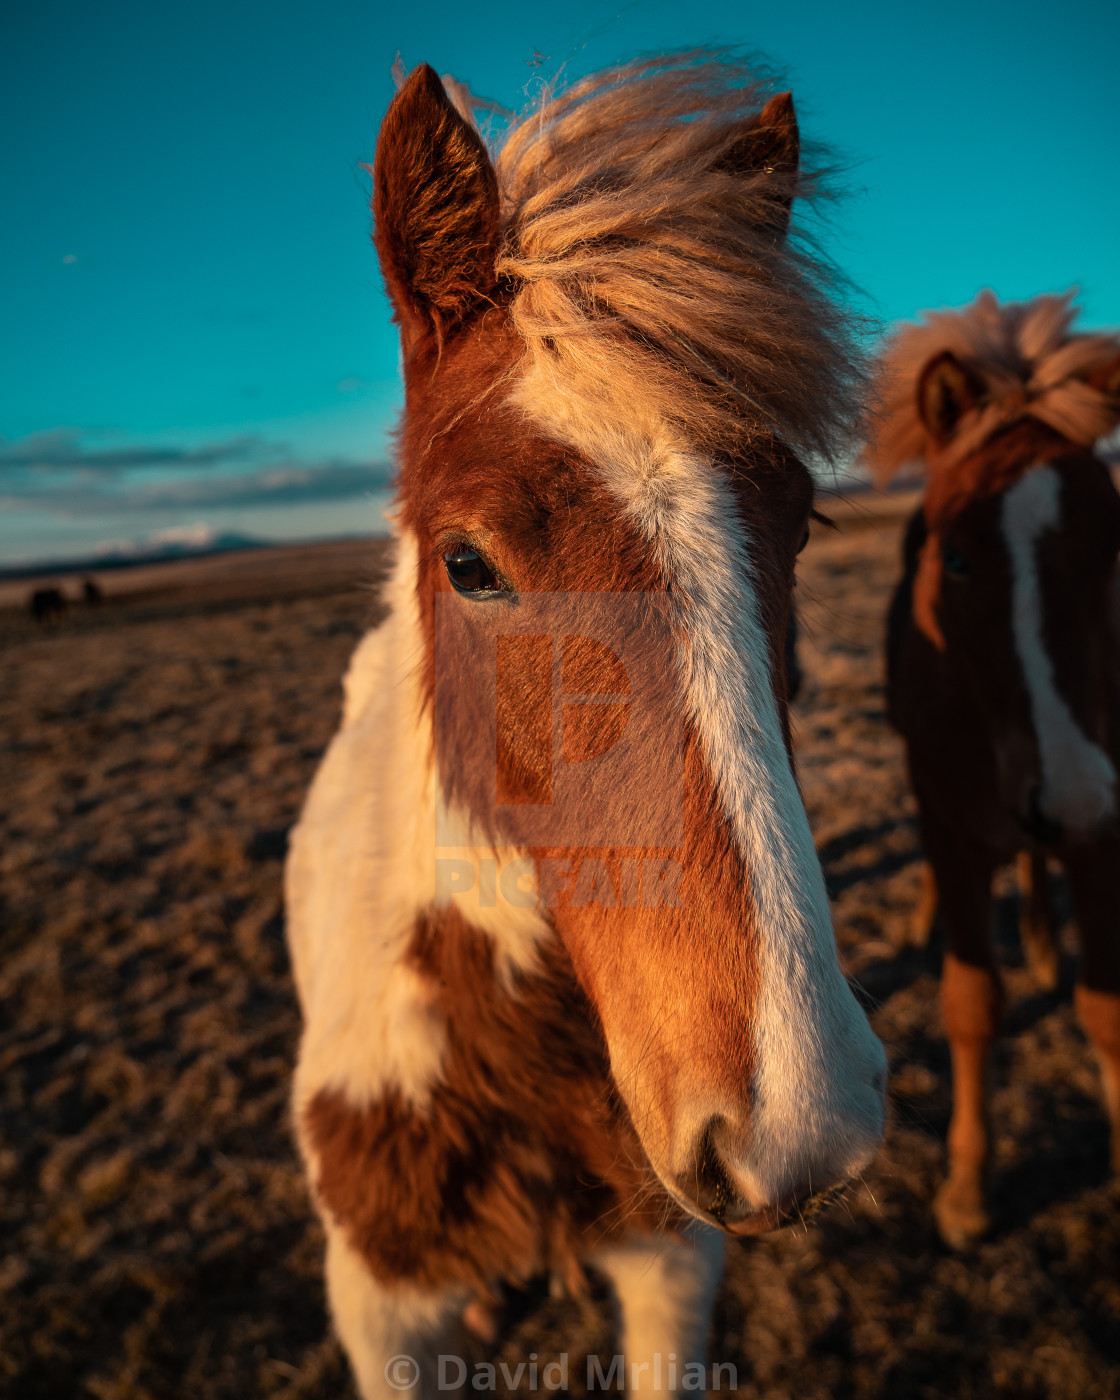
769	144
435	211
946	391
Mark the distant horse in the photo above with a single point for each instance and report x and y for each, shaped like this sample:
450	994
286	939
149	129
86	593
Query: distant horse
1003	666
567	967
47	605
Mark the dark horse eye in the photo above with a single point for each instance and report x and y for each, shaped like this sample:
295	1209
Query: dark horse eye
469	572
954	561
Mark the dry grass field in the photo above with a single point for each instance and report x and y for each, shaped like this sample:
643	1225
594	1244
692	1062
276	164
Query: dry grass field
155	1234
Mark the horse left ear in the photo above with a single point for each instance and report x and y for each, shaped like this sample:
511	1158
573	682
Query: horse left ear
946	391
435	210
770	144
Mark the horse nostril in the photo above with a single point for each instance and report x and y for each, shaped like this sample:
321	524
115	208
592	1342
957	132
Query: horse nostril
708	1183
1037	824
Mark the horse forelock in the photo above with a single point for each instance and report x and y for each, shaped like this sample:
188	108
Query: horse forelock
644	271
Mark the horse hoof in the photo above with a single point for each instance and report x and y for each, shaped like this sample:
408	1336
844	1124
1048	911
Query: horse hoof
958	1208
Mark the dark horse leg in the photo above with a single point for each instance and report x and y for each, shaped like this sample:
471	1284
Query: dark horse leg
971	1004
1036	920
1094	878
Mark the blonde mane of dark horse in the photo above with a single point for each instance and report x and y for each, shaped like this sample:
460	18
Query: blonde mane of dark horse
1028	365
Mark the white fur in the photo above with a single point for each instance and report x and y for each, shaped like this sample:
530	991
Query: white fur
665	1289
398	1330
1078	779
363	864
817	1111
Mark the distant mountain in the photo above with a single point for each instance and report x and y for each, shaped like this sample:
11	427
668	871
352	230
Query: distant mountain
178	542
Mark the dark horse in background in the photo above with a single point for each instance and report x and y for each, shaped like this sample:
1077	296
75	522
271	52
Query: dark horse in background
1002	662
47	605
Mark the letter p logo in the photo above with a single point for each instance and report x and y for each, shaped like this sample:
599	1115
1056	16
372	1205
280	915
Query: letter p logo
574	734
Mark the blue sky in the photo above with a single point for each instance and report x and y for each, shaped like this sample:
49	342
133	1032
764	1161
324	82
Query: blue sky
192	327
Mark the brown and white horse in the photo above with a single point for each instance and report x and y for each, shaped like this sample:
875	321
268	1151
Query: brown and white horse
1004	664
565	958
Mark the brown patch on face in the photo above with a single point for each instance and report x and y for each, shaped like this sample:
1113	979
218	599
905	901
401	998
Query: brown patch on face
590	730
524	1158
674	980
953	485
523	757
676	988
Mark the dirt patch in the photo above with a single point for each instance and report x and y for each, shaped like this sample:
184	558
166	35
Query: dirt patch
157	1239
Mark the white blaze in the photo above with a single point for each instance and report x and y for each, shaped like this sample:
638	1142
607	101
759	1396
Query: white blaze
817	1113
817	1103
1078	780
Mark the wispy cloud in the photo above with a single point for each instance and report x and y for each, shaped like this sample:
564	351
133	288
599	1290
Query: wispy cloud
285	484
61	449
55	472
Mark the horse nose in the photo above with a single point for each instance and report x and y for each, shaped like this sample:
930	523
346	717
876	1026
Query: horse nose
1036	823
748	1172
709	1187
707	1183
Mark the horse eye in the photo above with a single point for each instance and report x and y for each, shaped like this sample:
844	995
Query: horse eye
954	561
804	540
469	572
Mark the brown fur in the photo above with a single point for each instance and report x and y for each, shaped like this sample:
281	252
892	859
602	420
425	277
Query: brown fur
482	1183
982	476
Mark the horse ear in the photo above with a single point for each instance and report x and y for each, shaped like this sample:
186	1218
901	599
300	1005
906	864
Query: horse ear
770	144
435	210
946	391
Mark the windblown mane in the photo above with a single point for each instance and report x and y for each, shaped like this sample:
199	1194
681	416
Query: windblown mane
1029	362
647	277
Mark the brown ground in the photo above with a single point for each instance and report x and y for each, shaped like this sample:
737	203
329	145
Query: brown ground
157	1239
